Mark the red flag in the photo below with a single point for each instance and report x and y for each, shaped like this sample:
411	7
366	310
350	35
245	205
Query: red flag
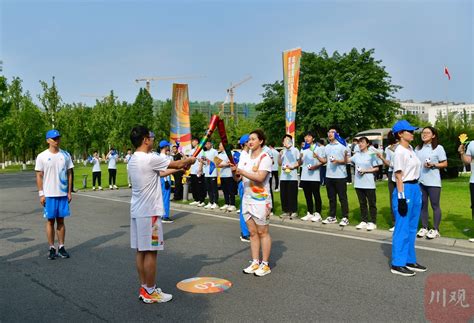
447	73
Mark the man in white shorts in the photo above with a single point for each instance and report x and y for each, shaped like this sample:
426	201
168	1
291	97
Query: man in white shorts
146	210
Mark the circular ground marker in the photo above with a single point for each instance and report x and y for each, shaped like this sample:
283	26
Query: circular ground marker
204	285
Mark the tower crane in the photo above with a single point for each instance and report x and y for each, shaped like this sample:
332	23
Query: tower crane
148	80
230	93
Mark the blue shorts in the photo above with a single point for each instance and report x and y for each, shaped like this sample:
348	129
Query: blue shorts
56	207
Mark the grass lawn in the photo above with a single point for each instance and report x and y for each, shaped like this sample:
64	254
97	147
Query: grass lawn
455	204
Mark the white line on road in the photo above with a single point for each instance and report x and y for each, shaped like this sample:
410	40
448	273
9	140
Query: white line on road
452	252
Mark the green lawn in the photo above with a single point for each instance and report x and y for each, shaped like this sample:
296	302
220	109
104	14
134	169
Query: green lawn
455	203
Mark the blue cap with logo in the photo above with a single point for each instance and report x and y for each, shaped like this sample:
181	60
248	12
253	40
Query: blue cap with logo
164	143
402	125
53	133
244	139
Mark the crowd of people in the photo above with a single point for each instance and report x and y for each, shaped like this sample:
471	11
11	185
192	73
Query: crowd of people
413	180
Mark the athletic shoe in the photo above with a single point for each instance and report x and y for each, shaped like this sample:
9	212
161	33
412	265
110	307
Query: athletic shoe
115	187
166	220
293	216
224	207
156	297
194	203
392	229
433	234
93	188
231	208
129	185
307	217
201	204
100	188
262	270
254	266
208	206
344	222
416	267
63	253
362	225
213	206
422	233
471	240
316	217
238	211
284	215
276	190
403	271
272	214
110	187
244	238
52	254
371	226
329	220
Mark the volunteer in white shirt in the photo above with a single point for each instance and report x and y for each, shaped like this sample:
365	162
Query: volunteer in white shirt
254	169
198	185
111	159
96	171
288	160
227	181
210	171
146	210
54	181
310	178
275	176
433	158
406	202
126	160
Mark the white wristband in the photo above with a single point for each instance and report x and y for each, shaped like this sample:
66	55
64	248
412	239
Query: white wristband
40	193
401	195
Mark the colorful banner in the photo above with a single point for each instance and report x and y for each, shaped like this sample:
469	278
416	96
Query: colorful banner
291	76
180	125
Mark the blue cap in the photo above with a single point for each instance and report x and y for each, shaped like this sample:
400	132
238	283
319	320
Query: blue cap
164	144
402	125
53	133
244	139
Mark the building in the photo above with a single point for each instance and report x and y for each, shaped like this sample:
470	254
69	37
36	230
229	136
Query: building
429	111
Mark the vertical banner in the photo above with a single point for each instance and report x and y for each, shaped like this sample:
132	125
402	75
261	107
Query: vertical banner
291	76
180	131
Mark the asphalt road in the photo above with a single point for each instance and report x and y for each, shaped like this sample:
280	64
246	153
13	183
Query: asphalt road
316	277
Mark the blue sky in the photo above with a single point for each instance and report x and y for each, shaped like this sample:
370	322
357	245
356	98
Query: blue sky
95	46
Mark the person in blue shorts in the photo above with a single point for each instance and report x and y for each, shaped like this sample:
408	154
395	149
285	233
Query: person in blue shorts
54	181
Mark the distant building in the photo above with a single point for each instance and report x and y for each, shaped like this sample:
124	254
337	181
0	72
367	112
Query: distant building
429	111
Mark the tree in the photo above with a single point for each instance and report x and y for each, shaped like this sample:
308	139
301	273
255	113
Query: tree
142	109
352	91
50	100
199	123
163	120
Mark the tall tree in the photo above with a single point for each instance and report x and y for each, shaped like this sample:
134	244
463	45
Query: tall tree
50	100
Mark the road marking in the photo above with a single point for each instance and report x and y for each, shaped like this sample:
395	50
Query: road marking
452	252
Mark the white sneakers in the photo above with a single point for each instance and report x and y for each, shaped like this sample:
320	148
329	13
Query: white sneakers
224	207
201	204
231	208
257	269
371	226
316	217
344	222
432	234
392	229
115	187
307	217
362	225
195	203
211	206
254	265
293	216
471	240
329	220
422	233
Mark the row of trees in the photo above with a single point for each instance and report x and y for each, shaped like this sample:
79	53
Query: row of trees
352	91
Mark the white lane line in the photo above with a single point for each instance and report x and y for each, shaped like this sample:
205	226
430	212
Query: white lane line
452	252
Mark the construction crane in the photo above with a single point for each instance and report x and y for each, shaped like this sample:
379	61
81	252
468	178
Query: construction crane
148	80
230	93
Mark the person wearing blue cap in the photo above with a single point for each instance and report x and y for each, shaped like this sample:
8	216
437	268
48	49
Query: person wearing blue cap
54	181
406	202
166	181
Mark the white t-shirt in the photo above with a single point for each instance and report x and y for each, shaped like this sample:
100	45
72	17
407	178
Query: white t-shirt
195	167
112	160
289	158
144	171
256	193
470	152
96	164
210	155
127	159
389	151
54	168
275	156
224	171
308	159
405	160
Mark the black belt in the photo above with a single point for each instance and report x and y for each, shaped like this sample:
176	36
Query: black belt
415	181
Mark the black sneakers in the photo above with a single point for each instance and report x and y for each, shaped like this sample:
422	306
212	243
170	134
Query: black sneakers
63	253
52	254
403	271
166	220
416	267
245	238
